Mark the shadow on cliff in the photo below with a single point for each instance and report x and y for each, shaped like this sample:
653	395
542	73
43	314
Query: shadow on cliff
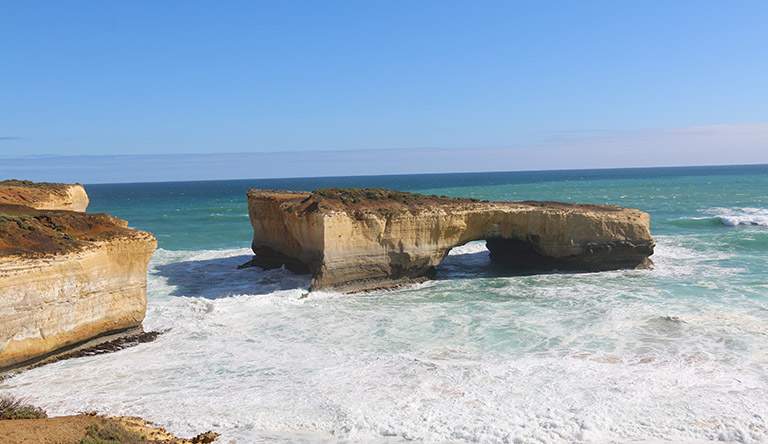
219	278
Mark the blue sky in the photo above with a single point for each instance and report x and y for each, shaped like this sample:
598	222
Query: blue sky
535	85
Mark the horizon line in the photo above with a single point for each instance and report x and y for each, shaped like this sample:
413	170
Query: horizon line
560	170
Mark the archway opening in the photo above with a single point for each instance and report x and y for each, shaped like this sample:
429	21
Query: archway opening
493	257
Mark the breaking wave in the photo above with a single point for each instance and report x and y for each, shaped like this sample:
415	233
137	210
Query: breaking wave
726	216
551	358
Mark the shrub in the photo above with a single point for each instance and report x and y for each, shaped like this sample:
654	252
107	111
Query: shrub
13	408
110	433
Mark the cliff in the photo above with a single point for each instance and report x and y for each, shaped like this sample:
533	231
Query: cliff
67	279
360	239
43	195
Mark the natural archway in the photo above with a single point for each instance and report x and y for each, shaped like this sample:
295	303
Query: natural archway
354	240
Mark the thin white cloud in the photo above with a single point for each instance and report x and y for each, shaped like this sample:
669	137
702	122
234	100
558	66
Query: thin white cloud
699	145
702	145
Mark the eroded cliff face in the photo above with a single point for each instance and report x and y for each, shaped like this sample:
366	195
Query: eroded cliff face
43	195
354	240
67	278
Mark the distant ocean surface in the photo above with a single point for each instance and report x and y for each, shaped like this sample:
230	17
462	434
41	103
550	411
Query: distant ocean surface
674	354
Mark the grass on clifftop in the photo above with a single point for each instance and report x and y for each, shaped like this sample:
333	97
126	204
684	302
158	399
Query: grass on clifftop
24	230
351	196
364	200
13	408
30	184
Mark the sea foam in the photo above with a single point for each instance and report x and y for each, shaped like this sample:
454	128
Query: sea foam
469	357
741	216
726	216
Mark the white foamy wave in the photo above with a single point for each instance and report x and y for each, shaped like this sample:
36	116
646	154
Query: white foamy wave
469	248
549	358
740	216
252	386
214	274
163	256
685	257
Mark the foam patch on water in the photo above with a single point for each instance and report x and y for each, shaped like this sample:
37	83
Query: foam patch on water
741	216
685	257
620	356
469	248
729	216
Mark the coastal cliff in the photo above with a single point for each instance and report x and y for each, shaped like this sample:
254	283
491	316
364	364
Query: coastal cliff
67	279
360	239
44	195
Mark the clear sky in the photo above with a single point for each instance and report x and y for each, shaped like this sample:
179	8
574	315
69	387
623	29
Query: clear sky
537	84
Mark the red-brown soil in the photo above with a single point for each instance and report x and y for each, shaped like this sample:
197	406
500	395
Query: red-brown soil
24	230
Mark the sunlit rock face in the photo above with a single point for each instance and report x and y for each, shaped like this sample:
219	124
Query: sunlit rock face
43	195
67	278
362	239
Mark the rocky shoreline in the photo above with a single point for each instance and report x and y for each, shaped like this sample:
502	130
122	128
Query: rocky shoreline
98	346
77	429
72	284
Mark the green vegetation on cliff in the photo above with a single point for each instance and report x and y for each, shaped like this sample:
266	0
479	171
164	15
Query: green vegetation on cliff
355	196
24	230
39	185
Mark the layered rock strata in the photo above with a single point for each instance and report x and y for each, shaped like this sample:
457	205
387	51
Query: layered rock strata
361	239
67	279
43	195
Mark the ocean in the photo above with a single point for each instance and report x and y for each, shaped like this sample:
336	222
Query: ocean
678	353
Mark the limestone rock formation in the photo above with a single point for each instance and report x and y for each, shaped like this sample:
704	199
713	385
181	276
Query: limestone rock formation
361	239
67	279
43	195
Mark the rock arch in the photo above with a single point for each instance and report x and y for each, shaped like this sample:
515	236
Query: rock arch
362	239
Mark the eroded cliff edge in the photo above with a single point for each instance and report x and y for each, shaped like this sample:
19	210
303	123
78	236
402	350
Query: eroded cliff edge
66	279
44	195
361	239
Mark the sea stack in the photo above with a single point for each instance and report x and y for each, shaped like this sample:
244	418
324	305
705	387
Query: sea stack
67	278
361	239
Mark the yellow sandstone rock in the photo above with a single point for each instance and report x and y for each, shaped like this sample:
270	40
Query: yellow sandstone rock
361	239
66	279
44	196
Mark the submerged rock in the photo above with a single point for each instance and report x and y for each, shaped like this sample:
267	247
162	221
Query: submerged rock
361	239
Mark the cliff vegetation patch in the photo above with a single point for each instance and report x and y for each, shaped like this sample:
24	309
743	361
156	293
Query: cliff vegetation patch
380	200
108	432
24	230
14	408
26	192
50	186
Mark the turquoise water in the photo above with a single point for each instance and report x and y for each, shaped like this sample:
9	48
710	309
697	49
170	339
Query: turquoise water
674	354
